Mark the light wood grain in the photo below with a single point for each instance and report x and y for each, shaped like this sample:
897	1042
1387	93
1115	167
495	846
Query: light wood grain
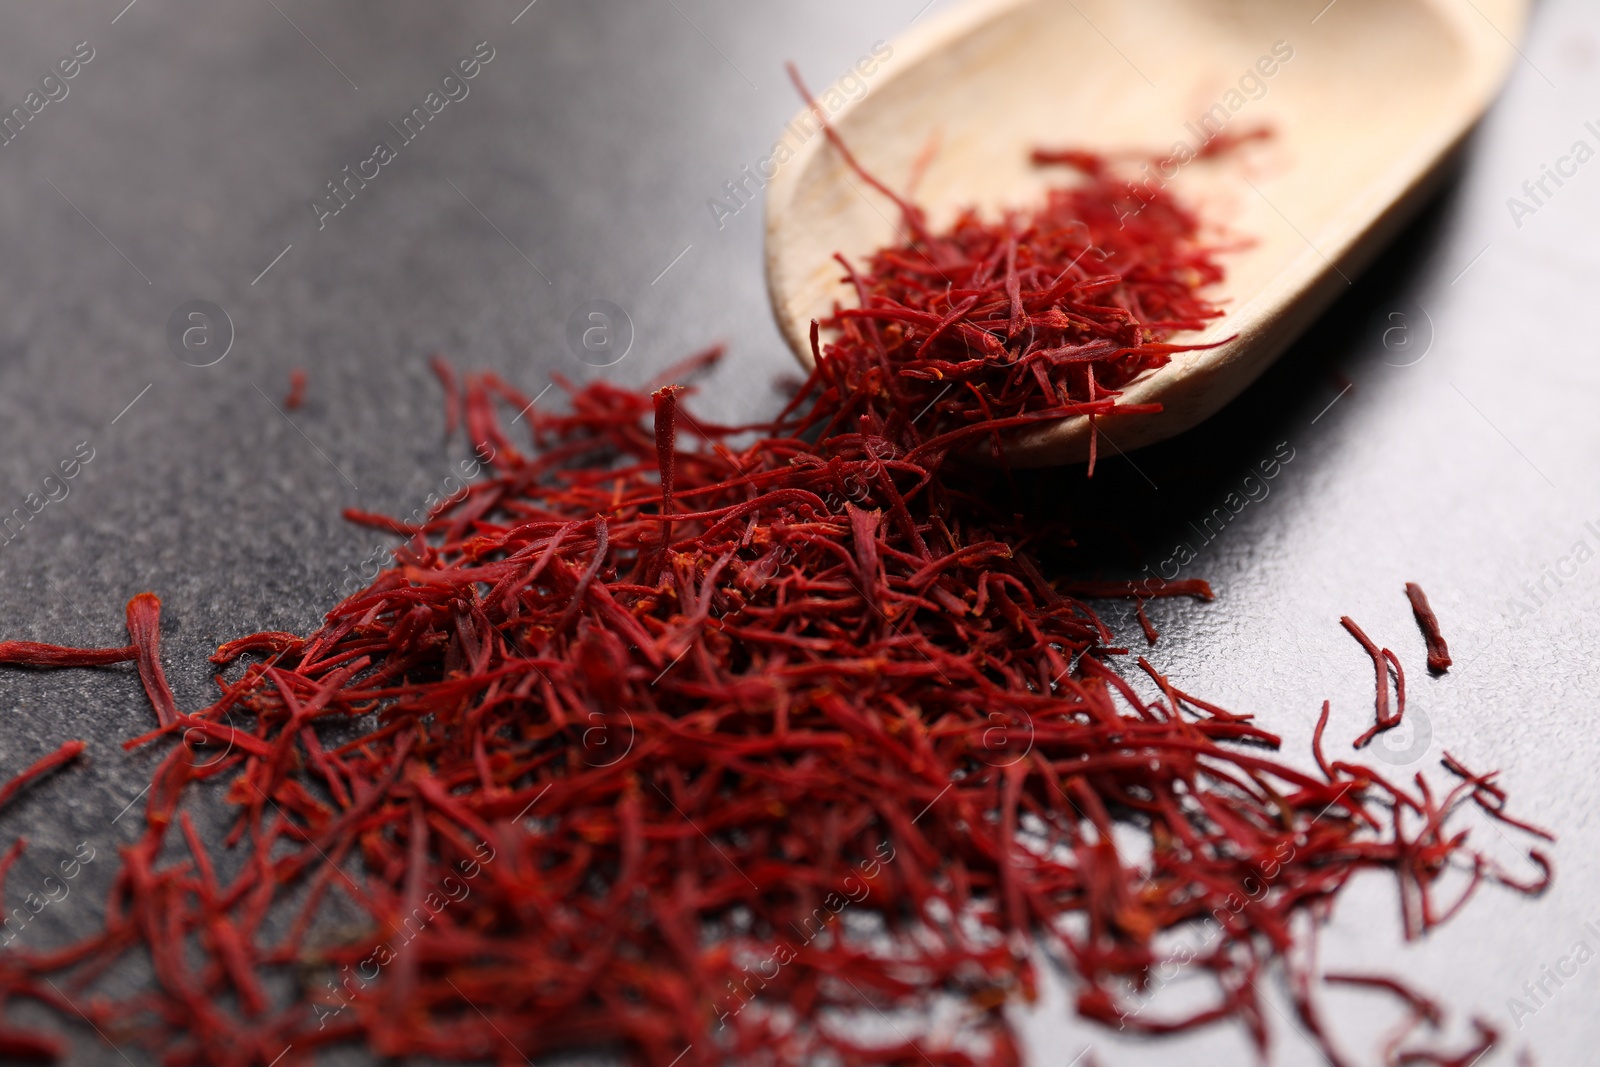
1366	113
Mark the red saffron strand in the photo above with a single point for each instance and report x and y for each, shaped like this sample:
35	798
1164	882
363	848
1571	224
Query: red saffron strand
1316	741
446	374
41	767
1438	652
665	403
144	628
1382	659
297	389
34	654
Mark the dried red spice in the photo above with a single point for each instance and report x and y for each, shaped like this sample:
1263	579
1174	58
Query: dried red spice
1382	660
43	766
1428	622
297	389
1421	1011
18	976
33	654
697	738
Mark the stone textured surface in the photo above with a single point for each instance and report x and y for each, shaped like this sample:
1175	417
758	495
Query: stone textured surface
195	138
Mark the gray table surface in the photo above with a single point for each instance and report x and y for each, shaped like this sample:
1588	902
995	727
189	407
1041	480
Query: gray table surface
182	161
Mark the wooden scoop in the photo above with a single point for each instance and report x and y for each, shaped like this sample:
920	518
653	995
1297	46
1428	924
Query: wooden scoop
1367	100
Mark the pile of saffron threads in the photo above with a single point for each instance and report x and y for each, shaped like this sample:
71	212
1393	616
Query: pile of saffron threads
755	745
